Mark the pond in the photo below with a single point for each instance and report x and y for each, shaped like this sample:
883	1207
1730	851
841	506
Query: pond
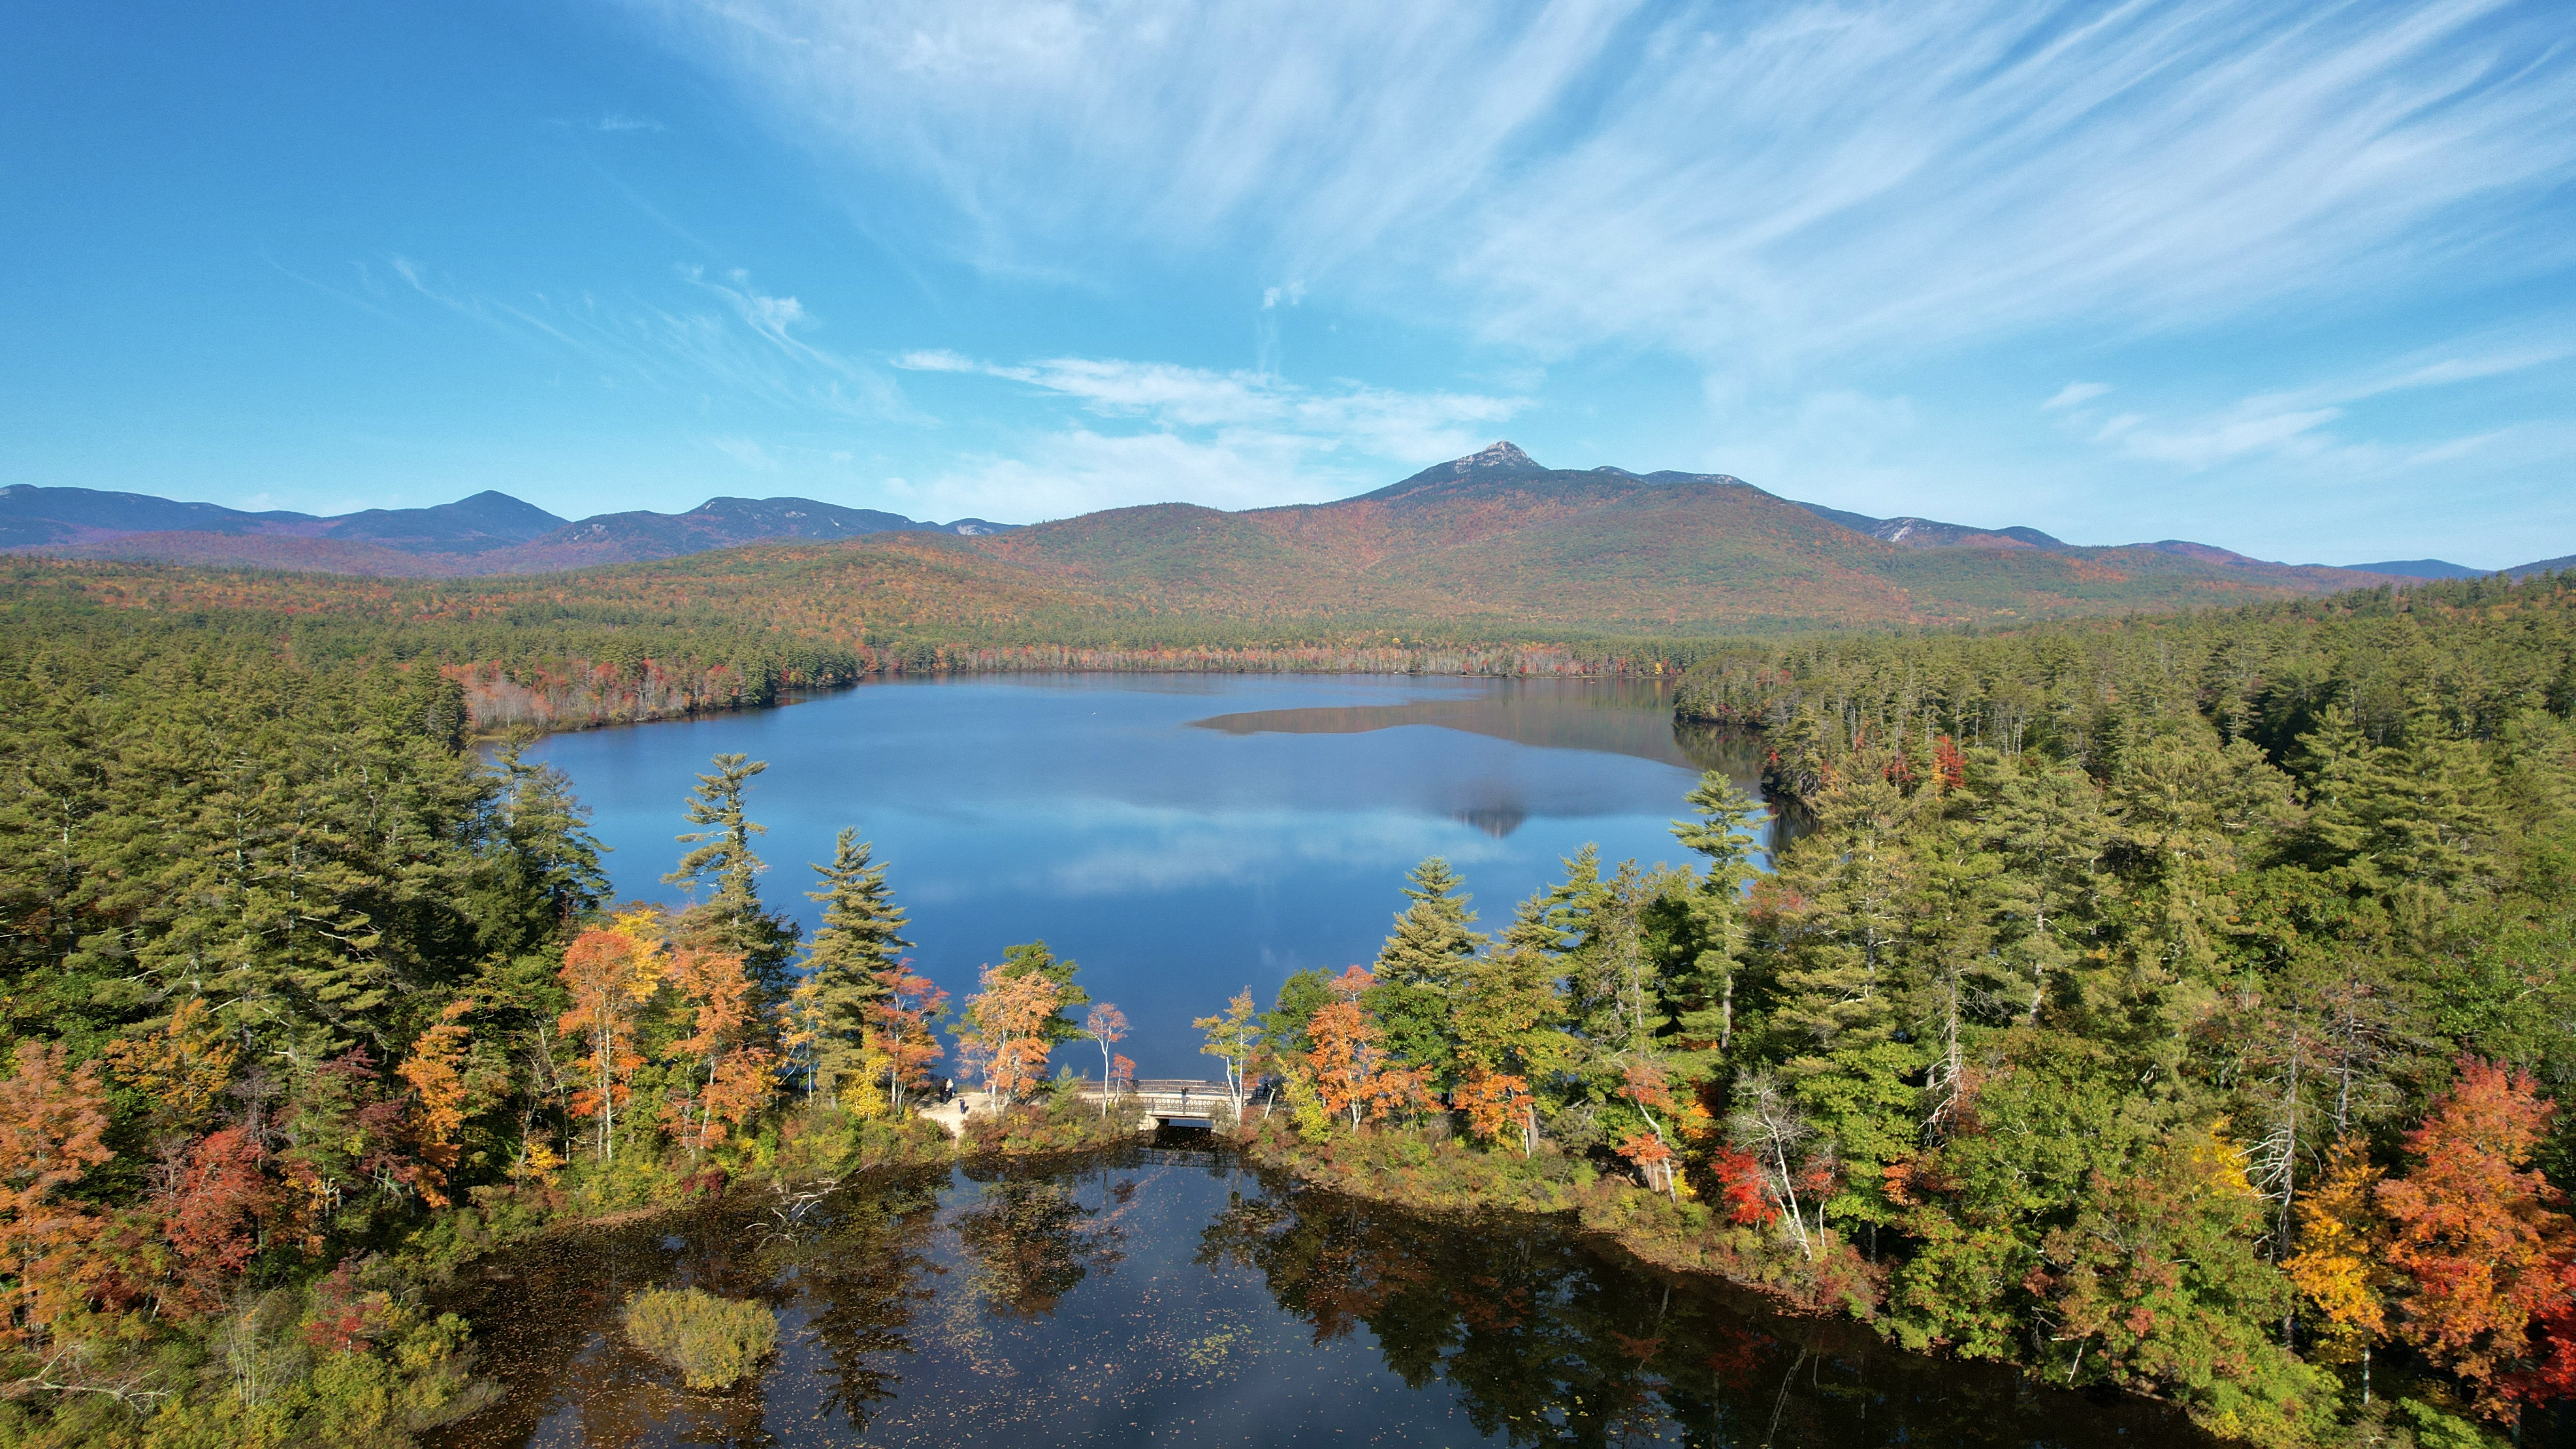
1180	836
1164	1294
1183	837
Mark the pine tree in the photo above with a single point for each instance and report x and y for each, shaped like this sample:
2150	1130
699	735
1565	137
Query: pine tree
1854	881
861	938
544	867
1708	938
1418	967
732	918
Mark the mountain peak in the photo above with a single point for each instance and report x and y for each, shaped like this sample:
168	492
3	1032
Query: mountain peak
1497	461
1496	455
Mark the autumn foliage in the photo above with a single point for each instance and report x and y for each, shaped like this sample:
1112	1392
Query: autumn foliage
1007	1040
1349	1063
2477	1232
52	1118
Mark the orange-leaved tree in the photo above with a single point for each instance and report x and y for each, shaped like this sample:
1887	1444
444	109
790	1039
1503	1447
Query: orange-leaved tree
2478	1235
727	1083
900	1043
435	1070
1348	1060
183	1067
1496	1104
610	974
1669	1118
1007	1035
52	1116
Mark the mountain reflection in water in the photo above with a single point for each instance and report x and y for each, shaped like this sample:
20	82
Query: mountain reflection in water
1547	718
1554	720
1165	1294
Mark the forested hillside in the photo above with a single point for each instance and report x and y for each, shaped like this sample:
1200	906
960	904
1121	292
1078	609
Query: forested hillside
2175	1004
1489	549
2178	1005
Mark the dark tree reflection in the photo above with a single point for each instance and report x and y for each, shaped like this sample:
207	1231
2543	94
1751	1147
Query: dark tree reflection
1547	1340
1031	1242
859	1267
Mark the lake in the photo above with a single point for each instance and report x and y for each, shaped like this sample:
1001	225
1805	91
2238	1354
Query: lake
1165	1295
1181	836
1184	837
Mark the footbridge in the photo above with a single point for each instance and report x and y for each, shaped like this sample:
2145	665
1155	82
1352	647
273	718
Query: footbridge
1166	1099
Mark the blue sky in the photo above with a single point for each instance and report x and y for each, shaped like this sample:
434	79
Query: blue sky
2298	280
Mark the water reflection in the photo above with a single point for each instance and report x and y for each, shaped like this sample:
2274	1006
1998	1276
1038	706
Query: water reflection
1178	864
1033	1242
1609	721
1169	1295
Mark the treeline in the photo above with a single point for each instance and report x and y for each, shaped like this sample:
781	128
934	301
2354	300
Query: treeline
2178	1006
569	653
306	1001
542	668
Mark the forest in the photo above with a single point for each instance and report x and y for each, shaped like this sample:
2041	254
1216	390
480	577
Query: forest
2179	1005
2175	1005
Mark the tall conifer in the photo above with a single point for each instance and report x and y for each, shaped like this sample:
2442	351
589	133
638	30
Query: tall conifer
1418	968
732	916
862	936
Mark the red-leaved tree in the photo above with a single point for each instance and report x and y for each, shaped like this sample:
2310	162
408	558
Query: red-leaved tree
2477	1233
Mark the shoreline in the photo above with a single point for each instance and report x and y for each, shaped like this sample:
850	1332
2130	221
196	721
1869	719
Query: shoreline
481	734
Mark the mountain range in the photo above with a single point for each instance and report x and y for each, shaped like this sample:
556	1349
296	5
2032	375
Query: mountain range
1494	541
489	533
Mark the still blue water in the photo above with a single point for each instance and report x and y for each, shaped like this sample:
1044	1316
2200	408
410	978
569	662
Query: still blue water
1181	836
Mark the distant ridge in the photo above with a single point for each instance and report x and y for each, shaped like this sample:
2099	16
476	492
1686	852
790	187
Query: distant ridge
1495	541
488	533
2434	568
1925	533
2420	568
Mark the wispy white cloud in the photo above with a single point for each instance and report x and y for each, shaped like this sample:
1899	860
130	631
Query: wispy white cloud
746	451
754	354
2076	392
1078	469
2231	436
613	123
2295	424
1759	187
1254	431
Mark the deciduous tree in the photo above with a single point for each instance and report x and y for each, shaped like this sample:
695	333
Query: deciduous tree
438	1090
1009	1031
1106	1025
2476	1232
53	1118
610	974
1233	1038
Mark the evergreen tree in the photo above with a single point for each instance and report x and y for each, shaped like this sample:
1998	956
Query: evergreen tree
731	918
1417	969
543	867
1283	1026
860	940
1706	925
